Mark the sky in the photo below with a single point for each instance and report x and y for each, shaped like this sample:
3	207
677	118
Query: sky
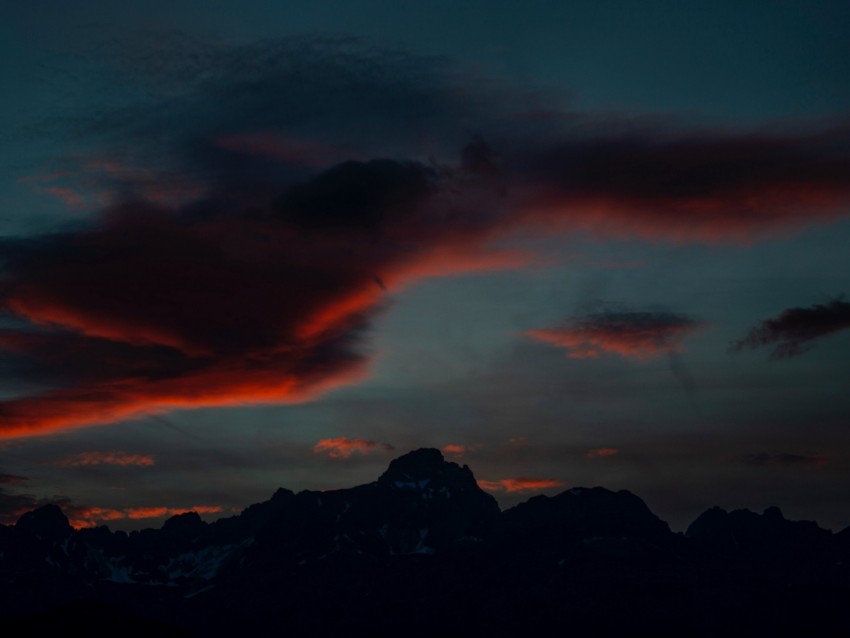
255	245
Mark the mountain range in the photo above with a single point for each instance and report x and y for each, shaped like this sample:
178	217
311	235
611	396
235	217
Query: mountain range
424	550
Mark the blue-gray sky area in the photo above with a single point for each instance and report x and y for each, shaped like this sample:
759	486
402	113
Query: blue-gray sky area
262	244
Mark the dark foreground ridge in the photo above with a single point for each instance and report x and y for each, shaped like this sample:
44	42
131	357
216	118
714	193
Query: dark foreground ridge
423	551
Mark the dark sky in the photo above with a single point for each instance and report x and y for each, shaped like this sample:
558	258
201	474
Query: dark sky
261	244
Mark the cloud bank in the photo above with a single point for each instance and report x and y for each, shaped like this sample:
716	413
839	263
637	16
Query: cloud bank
242	257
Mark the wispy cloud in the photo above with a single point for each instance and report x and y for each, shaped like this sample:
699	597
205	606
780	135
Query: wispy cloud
785	459
11	479
342	447
601	452
458	450
637	335
110	457
519	484
13	504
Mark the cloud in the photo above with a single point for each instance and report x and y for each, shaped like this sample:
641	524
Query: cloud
677	185
788	460
637	335
601	452
520	484
81	516
243	258
792	332
455	449
12	505
111	457
11	479
343	447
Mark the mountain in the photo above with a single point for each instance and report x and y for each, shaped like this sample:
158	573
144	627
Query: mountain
423	550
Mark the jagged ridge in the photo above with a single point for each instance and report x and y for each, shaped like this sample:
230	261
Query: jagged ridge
423	542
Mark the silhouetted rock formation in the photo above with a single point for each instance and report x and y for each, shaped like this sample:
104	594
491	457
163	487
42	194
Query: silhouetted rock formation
46	522
424	548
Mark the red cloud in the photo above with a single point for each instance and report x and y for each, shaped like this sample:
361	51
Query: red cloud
80	517
455	449
111	457
343	447
601	452
521	484
638	335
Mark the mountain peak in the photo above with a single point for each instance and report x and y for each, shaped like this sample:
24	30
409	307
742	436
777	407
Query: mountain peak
47	521
426	464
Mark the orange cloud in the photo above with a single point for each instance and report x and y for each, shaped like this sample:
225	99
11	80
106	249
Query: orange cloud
520	484
455	449
343	447
80	517
237	383
636	335
601	452
111	457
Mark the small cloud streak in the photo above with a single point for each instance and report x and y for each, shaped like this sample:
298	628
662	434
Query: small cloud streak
455	449
111	457
80	517
792	332
519	484
343	447
634	335
11	479
786	459
601	452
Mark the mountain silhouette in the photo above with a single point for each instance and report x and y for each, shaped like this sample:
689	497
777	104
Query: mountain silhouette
424	550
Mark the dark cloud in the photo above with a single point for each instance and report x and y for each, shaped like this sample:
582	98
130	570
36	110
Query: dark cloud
685	186
792	332
357	196
639	335
785	459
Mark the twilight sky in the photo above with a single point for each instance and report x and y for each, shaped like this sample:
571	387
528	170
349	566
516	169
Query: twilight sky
263	244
